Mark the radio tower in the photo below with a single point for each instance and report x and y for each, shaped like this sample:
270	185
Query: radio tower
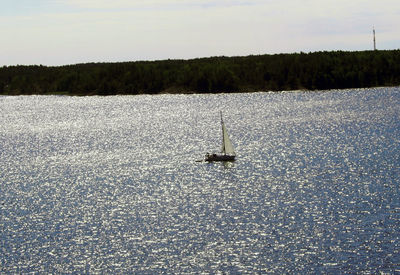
373	30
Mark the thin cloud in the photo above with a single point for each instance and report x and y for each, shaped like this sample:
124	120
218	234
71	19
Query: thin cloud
75	31
156	4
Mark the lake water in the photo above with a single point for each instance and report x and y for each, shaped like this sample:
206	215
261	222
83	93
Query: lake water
111	185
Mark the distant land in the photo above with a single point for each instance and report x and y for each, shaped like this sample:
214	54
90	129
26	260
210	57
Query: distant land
297	71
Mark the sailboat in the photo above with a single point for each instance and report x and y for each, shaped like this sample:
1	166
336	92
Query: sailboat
227	152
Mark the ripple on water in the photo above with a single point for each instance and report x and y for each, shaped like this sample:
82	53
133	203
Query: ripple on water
109	184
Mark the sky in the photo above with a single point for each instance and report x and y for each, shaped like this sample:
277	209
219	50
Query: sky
61	32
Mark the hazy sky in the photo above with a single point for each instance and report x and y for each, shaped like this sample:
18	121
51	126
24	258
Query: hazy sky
58	32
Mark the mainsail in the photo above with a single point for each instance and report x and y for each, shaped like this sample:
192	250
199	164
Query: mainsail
227	147
228	154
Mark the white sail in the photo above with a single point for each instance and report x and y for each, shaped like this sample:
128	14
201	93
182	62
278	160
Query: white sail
227	147
228	154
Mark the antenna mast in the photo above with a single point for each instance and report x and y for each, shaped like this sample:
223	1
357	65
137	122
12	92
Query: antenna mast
373	30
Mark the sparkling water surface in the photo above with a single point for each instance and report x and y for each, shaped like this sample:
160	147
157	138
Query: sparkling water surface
111	184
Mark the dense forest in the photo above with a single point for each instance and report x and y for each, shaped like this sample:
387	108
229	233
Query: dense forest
308	71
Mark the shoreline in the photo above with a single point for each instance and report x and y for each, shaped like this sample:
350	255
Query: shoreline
200	93
272	73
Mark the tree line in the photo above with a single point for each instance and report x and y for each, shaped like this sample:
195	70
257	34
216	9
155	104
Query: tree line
308	71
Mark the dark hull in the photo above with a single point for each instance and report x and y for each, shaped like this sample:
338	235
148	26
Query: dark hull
216	157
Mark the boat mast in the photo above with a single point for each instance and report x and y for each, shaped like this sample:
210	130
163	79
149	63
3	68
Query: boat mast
223	136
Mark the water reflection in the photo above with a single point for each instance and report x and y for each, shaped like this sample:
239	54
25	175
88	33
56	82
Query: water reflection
109	185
